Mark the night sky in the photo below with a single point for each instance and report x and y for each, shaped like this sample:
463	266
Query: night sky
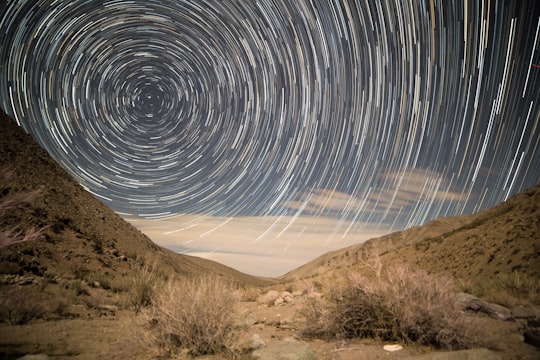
382	114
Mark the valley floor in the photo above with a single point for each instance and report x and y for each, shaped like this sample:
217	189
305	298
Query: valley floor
115	336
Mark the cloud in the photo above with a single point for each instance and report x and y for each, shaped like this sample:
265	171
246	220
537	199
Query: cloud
394	192
265	246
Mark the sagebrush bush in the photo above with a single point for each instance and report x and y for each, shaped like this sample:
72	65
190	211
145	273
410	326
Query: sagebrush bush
18	307
394	303
196	315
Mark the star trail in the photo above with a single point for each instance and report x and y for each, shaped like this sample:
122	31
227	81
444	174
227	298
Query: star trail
374	113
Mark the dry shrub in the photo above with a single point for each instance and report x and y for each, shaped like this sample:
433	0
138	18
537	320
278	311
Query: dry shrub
196	315
143	286
394	303
22	306
250	293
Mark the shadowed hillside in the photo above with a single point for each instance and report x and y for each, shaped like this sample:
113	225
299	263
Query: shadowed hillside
499	240
80	234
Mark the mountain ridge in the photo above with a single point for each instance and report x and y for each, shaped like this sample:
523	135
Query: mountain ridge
502	226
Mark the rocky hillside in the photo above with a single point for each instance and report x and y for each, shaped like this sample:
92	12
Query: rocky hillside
79	233
499	240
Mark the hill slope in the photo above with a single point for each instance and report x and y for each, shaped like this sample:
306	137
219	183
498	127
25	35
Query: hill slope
82	234
502	239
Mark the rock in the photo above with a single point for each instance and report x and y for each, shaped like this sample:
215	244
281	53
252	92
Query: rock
106	310
34	357
525	312
25	280
472	354
269	298
532	337
470	302
287	297
279	301
249	320
285	350
254	342
533	322
314	295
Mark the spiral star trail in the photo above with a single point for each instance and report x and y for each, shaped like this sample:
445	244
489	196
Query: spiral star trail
388	113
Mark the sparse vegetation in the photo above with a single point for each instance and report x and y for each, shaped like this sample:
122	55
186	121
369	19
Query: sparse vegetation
17	308
12	199
144	286
195	315
394	303
506	289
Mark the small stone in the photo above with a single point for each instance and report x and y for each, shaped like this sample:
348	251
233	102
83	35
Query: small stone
25	280
392	347
314	295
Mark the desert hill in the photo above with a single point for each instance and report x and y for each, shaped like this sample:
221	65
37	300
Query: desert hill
498	240
80	234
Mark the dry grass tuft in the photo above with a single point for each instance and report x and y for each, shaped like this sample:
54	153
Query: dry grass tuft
506	289
394	303
195	315
144	285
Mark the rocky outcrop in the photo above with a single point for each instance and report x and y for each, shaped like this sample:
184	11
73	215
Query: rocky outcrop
468	302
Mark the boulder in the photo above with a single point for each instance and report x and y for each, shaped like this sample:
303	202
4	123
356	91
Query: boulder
285	350
532	337
468	302
269	298
287	297
525	312
279	301
254	342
